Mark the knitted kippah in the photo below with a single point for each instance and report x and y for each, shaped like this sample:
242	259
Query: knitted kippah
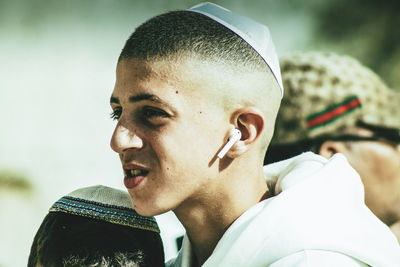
106	204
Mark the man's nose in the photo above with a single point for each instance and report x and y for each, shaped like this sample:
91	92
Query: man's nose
124	138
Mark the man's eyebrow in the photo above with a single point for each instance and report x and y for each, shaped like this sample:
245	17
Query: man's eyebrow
150	97
114	100
140	97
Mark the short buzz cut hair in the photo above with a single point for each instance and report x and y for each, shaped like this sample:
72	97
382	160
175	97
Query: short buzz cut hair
181	33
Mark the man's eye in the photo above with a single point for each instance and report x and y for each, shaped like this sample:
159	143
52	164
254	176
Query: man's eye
152	112
116	113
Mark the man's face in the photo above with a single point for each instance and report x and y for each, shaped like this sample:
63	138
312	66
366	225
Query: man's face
168	133
378	163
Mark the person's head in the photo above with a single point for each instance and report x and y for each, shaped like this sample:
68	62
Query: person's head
96	226
333	104
184	81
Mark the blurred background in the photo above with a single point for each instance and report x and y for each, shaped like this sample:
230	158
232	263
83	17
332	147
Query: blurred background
57	69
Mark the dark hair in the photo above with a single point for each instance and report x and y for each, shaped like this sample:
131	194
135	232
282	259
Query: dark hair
180	33
63	239
126	259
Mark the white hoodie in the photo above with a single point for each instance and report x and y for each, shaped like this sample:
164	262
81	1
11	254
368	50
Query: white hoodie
316	218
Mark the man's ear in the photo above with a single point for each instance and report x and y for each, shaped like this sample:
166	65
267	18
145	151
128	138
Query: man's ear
251	123
329	148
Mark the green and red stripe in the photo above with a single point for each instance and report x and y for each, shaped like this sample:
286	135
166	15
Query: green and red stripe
333	112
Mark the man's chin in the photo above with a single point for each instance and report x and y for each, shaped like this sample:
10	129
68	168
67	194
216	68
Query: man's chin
149	211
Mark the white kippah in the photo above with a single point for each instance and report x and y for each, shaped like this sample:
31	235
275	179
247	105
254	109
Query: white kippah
255	34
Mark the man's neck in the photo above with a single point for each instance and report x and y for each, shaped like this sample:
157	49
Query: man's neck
207	218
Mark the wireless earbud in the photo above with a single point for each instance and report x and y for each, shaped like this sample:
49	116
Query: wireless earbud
236	135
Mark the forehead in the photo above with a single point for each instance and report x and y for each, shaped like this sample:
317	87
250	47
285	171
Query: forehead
136	76
136	70
194	78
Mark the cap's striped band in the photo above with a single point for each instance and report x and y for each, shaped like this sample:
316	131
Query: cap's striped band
333	112
110	213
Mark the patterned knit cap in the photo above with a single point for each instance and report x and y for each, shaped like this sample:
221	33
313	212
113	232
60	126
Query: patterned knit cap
104	203
326	93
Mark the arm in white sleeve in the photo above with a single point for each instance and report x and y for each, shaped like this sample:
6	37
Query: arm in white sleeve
317	258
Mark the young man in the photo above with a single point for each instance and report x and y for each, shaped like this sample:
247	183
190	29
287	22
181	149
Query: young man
187	81
333	104
96	226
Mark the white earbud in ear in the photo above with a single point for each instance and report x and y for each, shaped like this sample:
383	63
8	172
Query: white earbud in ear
236	135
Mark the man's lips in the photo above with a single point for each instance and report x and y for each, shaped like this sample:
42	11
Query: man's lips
134	172
132	182
134	175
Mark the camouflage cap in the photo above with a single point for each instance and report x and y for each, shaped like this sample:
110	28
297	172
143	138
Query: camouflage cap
326	93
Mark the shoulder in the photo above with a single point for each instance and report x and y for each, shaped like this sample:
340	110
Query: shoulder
309	168
317	258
